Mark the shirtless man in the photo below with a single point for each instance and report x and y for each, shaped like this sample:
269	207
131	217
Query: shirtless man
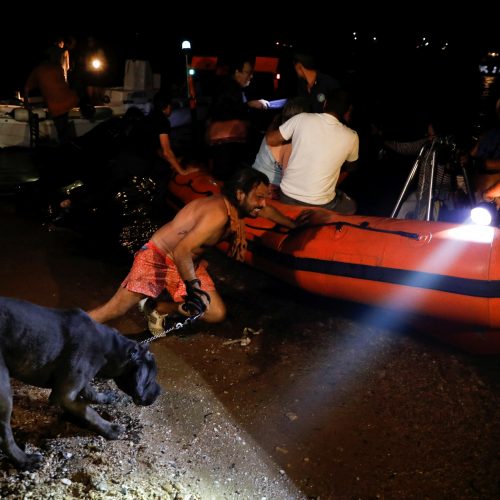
171	258
48	77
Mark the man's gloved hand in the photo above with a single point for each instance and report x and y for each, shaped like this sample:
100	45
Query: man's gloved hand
197	300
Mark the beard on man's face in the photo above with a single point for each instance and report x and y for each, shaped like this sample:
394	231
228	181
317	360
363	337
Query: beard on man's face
246	210
243	209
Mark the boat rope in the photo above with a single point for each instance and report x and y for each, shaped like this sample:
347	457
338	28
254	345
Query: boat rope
338	225
176	326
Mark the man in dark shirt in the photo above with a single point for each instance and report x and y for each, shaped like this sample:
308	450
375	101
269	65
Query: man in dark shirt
230	101
161	133
313	84
229	133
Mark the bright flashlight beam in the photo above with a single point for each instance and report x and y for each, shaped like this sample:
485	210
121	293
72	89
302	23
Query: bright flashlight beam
339	367
217	458
455	242
481	216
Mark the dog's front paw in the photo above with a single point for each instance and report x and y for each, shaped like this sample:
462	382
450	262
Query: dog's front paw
107	397
112	431
30	462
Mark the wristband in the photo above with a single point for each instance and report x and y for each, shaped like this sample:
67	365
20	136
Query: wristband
191	283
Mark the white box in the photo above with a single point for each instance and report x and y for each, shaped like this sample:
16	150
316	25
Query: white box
138	75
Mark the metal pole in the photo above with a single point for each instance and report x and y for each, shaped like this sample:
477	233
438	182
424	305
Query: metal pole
188	93
431	185
414	169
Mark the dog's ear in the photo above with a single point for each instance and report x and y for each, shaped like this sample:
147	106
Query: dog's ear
138	351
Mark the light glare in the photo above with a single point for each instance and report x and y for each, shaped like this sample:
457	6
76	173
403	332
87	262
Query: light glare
480	216
96	63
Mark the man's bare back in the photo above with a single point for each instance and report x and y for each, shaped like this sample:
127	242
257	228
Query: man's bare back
169	261
206	217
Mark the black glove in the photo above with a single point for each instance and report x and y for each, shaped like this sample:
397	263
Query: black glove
194	302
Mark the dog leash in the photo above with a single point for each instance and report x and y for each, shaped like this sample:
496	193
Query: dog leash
177	326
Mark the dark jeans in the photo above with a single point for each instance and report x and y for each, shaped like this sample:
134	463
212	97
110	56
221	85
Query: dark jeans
342	203
63	128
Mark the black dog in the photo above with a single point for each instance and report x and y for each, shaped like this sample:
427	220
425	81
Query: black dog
64	350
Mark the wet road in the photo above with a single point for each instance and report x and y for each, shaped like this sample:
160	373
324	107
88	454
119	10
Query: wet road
334	405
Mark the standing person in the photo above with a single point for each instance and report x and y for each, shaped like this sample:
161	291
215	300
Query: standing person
64	58
48	77
161	133
230	101
486	155
170	260
313	84
59	52
321	144
228	130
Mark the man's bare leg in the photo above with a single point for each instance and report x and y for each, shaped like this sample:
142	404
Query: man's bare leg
117	306
123	300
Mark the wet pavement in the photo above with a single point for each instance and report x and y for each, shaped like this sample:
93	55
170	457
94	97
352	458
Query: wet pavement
324	401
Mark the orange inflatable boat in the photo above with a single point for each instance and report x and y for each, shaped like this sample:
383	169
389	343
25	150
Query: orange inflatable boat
446	276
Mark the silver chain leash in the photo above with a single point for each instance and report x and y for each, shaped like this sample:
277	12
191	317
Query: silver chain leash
177	326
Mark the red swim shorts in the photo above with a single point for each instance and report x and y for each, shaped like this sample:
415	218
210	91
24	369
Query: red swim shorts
152	272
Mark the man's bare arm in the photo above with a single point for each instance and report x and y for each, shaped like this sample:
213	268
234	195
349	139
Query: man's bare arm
274	138
210	224
492	164
168	154
273	214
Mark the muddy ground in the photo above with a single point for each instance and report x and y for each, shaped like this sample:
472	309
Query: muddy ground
323	402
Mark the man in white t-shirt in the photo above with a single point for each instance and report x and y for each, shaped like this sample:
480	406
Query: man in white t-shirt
321	145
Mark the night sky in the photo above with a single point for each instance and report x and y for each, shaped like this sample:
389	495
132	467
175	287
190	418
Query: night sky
144	33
